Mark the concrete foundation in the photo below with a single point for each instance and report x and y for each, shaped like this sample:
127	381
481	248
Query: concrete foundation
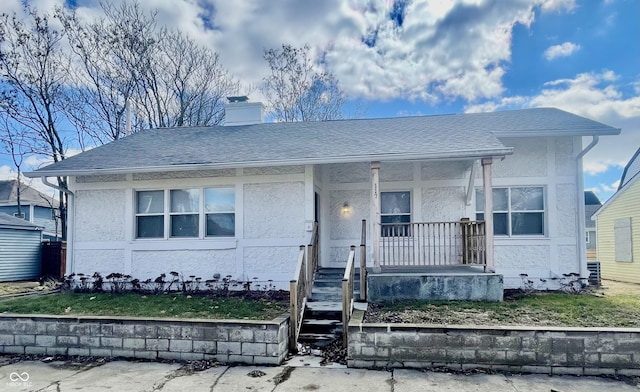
443	285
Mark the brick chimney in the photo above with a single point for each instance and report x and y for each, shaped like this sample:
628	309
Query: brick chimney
239	111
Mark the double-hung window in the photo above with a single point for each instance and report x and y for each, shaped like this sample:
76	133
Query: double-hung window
185	213
516	210
395	208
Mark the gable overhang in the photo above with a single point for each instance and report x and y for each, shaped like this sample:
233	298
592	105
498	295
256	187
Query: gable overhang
605	131
383	157
616	195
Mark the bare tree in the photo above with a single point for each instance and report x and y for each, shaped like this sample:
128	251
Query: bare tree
33	73
15	147
126	60
187	84
110	56
296	91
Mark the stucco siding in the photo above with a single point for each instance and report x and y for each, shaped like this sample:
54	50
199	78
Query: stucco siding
529	158
625	205
445	204
201	263
274	210
345	223
444	170
266	260
100	215
104	261
349	173
567	210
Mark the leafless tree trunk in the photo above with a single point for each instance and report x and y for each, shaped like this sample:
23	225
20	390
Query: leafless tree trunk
295	91
32	86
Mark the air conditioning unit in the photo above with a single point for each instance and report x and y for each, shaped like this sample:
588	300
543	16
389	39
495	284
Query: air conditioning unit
595	274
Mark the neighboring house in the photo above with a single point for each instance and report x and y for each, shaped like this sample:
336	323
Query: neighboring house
240	199
20	244
591	205
618	226
36	207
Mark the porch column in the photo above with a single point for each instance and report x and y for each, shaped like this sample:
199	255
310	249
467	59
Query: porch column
375	214
488	212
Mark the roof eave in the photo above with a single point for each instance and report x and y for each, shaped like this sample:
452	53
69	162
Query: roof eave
615	196
464	154
554	132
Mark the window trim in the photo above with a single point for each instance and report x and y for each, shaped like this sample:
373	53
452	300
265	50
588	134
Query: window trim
409	214
509	211
168	214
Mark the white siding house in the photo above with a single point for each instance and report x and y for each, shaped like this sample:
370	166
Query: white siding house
239	200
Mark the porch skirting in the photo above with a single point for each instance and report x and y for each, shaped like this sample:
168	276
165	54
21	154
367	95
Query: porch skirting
435	286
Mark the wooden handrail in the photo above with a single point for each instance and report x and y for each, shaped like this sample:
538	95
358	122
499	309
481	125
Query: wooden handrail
312	259
363	262
347	293
297	298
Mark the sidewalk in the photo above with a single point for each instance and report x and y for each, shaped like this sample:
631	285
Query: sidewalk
166	377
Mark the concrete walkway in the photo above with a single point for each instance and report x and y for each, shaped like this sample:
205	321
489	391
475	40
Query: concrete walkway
149	376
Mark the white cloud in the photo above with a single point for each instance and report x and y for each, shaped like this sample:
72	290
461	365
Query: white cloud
592	95
563	50
429	51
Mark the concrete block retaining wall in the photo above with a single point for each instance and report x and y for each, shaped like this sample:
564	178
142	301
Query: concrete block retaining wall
551	350
250	342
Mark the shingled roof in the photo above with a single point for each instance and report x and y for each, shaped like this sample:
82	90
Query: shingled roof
631	170
426	137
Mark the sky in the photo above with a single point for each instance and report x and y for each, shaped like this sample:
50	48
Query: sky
411	57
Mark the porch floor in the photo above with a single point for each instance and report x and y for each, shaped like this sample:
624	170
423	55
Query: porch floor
433	270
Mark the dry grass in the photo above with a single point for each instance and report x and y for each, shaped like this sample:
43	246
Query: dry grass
614	305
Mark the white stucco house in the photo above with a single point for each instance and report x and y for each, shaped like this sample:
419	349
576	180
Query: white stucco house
240	199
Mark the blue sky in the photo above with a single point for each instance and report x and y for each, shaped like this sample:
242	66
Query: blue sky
410	57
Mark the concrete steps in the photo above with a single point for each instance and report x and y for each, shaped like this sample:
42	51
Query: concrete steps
322	319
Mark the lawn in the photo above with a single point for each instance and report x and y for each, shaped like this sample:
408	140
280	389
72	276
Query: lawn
163	305
537	309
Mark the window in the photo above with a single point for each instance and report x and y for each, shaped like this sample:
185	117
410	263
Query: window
516	210
189	213
185	216
150	214
220	206
623	241
395	207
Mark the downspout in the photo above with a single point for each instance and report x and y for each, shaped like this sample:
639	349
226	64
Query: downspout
70	216
582	243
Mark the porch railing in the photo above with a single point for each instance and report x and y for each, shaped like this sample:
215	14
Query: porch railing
347	293
297	297
312	259
363	262
433	244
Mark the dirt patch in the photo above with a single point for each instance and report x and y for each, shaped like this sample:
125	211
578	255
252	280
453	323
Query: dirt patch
8	289
614	288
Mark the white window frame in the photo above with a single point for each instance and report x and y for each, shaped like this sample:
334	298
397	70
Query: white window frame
509	211
167	214
409	214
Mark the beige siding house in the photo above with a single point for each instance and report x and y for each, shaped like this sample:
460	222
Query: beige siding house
618	227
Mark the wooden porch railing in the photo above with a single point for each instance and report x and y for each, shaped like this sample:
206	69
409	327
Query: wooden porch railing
363	262
347	293
297	297
426	244
312	259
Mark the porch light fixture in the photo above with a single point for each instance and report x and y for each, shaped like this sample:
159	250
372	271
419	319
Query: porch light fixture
346	209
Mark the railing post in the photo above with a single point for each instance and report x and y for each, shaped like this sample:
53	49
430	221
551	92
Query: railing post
293	309
465	232
310	270
363	262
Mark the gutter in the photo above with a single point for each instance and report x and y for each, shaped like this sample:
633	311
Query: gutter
582	242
